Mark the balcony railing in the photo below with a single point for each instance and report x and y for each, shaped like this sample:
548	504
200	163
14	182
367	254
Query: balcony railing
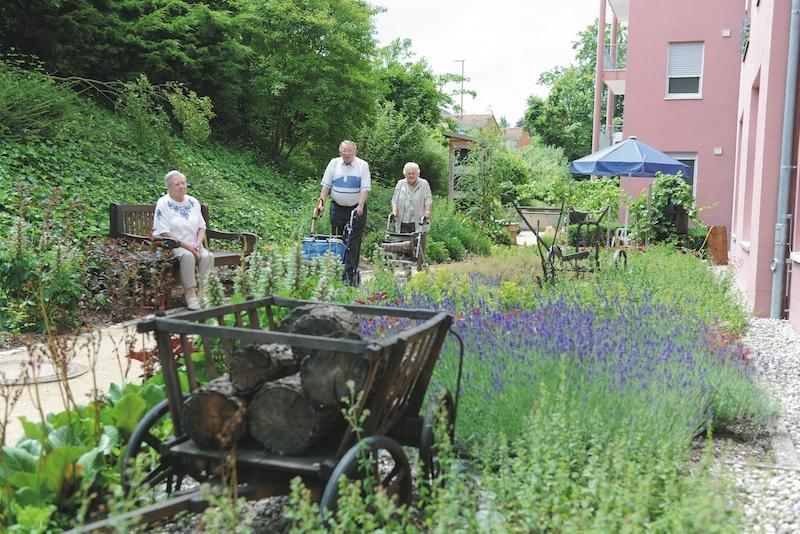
610	136
614	63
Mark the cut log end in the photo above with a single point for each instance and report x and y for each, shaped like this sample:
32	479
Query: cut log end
214	417
325	374
284	420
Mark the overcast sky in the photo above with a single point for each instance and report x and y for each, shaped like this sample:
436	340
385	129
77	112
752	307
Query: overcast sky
506	44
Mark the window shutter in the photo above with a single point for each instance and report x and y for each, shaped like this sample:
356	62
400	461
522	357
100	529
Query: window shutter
685	60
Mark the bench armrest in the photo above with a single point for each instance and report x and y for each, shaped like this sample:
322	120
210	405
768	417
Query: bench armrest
163	242
247	239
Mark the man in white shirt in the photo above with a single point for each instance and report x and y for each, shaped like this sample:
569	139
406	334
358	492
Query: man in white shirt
347	180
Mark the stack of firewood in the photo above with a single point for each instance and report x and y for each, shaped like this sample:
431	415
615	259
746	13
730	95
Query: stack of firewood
285	397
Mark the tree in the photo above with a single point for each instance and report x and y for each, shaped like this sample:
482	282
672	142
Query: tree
197	43
411	86
312	83
393	139
564	118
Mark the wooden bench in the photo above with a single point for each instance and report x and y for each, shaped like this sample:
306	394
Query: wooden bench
134	222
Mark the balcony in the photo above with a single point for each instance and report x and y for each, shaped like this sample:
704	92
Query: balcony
621	9
614	57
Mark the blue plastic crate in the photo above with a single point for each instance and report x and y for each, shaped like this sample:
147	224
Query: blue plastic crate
317	247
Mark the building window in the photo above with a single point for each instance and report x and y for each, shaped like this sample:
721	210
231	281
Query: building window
685	70
690	160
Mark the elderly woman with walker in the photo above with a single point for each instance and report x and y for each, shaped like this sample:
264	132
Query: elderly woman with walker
411	207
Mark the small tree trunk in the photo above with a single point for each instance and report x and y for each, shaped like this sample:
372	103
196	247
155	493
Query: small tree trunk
252	365
284	420
214	417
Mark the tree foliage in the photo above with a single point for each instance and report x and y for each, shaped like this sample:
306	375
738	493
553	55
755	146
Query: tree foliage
564	118
393	139
281	74
312	82
411	86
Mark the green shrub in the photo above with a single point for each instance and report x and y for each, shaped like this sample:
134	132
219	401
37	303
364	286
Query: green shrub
437	252
455	249
667	191
39	283
150	126
30	101
448	222
394	139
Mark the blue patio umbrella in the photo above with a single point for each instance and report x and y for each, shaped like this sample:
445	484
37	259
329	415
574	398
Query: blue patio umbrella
629	158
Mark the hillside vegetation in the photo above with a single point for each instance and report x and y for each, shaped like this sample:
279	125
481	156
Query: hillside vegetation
66	183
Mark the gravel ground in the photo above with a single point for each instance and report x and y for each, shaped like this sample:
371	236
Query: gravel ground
766	471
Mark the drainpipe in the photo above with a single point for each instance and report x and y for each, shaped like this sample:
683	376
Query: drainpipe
778	265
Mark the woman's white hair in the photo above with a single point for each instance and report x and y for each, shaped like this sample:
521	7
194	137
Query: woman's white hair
409	165
170	175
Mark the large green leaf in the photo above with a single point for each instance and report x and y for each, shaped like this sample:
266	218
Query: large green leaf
27	496
33	430
152	394
90	464
33	446
18	459
109	439
59	468
61	437
128	411
21	480
115	393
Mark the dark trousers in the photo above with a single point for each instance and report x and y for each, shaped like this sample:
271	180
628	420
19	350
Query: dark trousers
340	217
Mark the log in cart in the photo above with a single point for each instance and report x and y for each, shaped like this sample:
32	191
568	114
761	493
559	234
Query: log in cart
279	401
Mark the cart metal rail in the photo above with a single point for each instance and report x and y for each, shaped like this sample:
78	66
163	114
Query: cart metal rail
399	377
585	257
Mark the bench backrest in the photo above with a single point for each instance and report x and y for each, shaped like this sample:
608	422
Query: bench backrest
137	219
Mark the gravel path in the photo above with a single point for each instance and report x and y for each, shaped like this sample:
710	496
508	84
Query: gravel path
767	471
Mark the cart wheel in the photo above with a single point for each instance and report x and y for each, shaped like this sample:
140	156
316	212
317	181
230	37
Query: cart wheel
428	447
385	456
620	259
145	442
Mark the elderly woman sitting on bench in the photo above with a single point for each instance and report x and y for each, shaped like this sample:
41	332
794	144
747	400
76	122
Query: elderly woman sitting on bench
178	216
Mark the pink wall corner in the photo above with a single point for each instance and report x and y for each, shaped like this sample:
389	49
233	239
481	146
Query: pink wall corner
760	106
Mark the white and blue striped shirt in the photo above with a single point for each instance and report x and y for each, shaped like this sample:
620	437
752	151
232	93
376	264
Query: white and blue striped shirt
347	181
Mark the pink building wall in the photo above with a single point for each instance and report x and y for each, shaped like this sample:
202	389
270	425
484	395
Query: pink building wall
692	125
758	134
